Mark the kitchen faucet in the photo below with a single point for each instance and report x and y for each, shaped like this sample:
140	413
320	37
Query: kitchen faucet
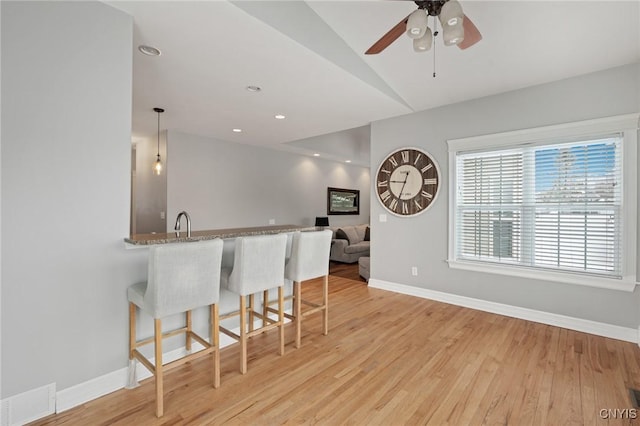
177	227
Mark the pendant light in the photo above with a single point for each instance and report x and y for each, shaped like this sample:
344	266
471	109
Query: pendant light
157	167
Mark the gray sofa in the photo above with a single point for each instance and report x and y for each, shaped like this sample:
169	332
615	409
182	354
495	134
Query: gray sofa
351	249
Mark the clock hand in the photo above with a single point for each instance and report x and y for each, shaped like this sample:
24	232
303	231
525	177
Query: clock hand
401	181
406	177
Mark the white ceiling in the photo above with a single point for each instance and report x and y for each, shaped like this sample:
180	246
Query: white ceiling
308	58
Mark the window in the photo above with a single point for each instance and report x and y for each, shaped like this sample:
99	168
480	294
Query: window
555	203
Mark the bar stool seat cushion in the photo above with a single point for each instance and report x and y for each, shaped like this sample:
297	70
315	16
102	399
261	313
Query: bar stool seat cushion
135	294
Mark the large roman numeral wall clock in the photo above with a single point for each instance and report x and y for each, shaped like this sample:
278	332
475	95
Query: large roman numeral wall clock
407	182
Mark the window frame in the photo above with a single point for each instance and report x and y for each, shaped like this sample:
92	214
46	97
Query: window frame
627	125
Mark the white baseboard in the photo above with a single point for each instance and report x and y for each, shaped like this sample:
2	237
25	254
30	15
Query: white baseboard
577	324
28	406
91	389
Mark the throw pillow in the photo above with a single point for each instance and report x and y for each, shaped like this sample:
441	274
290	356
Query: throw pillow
352	234
366	234
340	235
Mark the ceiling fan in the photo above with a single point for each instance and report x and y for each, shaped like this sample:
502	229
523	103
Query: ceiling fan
457	28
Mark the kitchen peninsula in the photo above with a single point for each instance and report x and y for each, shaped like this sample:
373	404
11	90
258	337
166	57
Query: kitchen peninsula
228	301
175	237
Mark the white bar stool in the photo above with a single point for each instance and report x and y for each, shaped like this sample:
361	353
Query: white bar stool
181	277
309	260
258	265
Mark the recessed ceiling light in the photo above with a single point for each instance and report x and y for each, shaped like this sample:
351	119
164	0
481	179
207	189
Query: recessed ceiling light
253	88
347	161
316	155
149	50
280	117
237	130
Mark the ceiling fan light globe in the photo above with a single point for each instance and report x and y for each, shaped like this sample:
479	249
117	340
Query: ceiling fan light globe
417	24
453	35
423	44
451	13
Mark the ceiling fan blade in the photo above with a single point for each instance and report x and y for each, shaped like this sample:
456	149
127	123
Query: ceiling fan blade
391	36
471	34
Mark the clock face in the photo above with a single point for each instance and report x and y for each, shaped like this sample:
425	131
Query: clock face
407	182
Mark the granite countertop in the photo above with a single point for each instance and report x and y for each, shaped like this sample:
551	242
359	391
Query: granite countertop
176	237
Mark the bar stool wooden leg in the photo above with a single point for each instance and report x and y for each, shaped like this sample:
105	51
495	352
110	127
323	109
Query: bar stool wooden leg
243	335
215	341
251	308
298	311
188	333
158	372
325	303
281	318
132	329
265	306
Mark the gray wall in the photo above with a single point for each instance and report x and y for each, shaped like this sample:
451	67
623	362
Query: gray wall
223	185
347	144
66	140
601	94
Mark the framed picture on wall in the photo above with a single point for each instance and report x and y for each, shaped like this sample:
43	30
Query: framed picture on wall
343	201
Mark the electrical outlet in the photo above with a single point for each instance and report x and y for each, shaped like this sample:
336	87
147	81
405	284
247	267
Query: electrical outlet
414	271
162	215
382	217
272	221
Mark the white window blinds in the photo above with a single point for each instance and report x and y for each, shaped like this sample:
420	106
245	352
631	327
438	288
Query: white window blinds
554	206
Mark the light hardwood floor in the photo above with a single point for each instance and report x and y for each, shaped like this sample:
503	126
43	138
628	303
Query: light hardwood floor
391	359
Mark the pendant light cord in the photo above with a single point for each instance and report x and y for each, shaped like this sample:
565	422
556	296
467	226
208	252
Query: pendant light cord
159	111
158	133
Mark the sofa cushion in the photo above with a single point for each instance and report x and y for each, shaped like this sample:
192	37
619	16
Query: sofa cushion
364	264
352	234
361	247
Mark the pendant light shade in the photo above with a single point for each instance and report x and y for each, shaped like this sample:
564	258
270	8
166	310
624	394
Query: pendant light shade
451	14
417	24
157	167
423	43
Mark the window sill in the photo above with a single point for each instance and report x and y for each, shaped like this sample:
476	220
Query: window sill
625	284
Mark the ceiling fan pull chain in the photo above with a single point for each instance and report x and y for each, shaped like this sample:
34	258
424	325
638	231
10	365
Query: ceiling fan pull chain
434	60
435	34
